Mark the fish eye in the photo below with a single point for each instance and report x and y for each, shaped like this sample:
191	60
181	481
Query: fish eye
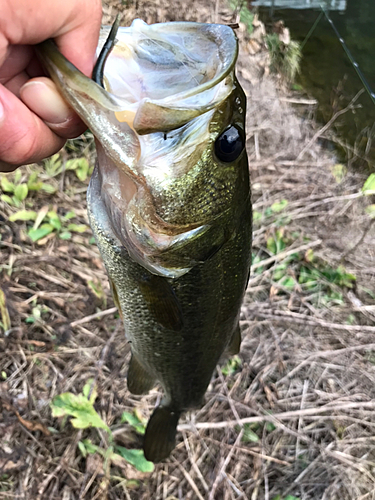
229	145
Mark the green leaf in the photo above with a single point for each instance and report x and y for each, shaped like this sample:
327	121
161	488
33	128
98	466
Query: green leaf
232	365
69	215
271	245
134	421
91	448
65	235
7	186
90	386
38	234
288	282
53	165
257	216
96	288
269	426
6	199
249	436
278	206
16	202
55	222
48	188
32	178
35	186
135	458
338	172
280	271
21	191
17	176
80	166
77	228
80	408
82	449
369	185
23	215
371	210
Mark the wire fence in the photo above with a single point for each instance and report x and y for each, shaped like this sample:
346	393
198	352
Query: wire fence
325	13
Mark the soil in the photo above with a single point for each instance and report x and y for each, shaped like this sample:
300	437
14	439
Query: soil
292	416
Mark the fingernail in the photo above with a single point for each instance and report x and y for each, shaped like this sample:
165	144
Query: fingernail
42	97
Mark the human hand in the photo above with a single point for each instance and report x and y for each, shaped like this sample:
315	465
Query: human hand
34	119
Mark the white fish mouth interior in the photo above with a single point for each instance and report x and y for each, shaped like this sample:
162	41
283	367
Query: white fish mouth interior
154	63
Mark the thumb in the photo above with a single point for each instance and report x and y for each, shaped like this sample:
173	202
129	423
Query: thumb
42	97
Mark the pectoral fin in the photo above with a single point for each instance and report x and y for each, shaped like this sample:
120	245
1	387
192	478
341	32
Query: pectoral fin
235	344
161	301
115	297
139	380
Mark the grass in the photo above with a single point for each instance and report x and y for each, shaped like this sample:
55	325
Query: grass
289	418
285	58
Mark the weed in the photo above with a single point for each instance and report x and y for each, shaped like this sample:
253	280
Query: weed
47	222
80	408
231	366
17	186
246	16
80	166
135	419
285	58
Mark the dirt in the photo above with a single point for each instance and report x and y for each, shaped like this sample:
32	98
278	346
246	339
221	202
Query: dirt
292	416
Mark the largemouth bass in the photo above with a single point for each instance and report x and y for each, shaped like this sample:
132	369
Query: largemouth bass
168	202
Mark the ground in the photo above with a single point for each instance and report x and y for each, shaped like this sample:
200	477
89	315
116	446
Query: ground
290	418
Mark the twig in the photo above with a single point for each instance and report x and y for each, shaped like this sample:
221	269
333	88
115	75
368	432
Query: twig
221	473
324	354
359	242
300	420
303	319
189	480
286	253
327	125
89	318
288	415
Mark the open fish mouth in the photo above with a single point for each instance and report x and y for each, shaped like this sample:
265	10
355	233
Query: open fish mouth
163	83
163	75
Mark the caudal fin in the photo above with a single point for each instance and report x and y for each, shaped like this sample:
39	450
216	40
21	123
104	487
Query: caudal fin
160	437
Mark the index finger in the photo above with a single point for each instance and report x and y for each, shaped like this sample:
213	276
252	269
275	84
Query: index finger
74	24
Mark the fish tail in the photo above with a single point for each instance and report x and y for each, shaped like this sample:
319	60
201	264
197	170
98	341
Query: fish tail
160	437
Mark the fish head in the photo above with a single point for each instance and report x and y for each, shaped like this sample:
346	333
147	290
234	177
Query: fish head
170	139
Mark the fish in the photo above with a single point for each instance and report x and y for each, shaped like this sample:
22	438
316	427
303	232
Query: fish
168	202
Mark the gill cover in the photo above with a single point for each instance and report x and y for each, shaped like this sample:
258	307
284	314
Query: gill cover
158	79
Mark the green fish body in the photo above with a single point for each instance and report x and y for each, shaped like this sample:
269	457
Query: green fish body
169	203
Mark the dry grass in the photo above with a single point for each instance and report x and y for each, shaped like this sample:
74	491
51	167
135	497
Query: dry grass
293	416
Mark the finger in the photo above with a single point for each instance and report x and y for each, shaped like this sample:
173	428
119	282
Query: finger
15	83
42	97
18	58
25	138
74	25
